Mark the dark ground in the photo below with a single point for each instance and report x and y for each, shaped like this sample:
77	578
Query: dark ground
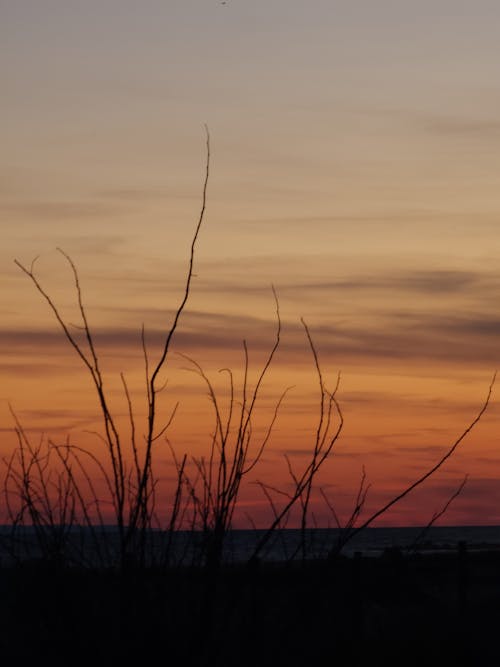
441	609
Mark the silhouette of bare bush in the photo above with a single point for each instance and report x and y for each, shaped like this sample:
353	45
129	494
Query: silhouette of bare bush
50	486
131	484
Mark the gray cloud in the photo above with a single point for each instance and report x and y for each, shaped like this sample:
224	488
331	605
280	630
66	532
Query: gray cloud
435	451
440	282
416	336
230	277
34	368
417	281
413	337
483	128
485	488
62	427
479	502
201	331
57	210
453	125
469	336
92	244
133	194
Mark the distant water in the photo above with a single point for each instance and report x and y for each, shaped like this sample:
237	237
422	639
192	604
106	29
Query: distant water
370	542
186	547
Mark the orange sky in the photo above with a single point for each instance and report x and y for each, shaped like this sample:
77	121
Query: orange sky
355	166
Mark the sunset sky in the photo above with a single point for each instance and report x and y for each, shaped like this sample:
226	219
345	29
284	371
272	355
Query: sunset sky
355	166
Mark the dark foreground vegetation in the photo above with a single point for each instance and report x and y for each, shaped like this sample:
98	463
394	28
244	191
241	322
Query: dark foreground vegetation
392	610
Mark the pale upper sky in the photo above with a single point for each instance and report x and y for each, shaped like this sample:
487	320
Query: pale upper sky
355	165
